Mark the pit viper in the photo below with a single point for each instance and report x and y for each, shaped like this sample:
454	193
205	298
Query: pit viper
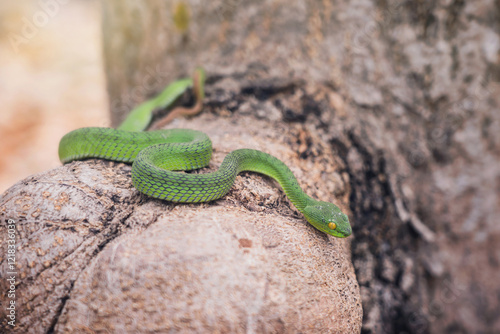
158	156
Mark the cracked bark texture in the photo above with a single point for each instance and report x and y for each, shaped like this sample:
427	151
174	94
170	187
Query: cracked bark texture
414	88
392	104
95	255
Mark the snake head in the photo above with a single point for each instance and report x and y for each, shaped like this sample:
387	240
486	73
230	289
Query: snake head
328	218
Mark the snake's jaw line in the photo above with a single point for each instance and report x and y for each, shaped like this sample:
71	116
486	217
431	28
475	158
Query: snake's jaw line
328	218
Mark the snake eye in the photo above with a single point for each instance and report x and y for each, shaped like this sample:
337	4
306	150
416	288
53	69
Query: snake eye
332	226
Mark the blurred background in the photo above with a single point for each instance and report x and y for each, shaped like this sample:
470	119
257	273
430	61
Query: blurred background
51	81
420	138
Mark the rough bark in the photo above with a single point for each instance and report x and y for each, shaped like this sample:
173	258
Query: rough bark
89	244
415	86
401	99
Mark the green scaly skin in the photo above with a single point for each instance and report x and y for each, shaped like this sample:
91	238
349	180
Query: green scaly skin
155	155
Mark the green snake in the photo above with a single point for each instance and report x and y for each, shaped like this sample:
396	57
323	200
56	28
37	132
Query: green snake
157	155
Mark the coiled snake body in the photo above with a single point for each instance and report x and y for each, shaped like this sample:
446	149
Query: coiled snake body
156	155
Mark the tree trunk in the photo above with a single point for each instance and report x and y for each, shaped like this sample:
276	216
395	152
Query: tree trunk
390	109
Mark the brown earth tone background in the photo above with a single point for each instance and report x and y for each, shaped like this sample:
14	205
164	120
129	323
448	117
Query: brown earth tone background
51	82
409	103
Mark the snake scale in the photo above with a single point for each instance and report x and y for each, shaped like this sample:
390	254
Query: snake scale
157	156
